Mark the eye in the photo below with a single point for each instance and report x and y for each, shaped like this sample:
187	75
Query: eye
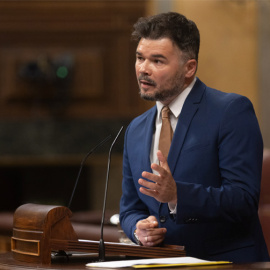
139	58
158	61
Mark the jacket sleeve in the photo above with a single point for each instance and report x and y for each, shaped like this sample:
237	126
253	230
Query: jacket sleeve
132	209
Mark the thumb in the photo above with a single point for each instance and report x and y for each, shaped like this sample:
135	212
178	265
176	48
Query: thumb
153	220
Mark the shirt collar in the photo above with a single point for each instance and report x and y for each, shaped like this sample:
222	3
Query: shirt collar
177	104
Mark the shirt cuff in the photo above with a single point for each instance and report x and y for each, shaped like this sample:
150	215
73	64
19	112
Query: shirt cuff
173	211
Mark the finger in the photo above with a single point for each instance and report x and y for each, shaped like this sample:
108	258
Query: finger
161	170
154	237
153	240
147	184
149	192
152	219
150	176
145	224
153	232
162	159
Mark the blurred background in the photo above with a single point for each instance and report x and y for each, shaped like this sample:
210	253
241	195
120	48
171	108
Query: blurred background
67	81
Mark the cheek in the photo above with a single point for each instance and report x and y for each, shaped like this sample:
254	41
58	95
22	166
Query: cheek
137	68
162	78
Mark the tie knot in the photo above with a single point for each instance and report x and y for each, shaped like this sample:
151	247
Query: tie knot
165	112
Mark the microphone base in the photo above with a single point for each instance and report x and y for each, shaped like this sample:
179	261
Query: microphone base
101	251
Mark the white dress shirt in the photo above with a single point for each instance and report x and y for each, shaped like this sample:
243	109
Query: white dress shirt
176	107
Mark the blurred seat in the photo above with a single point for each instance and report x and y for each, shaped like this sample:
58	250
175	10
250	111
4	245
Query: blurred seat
6	225
87	226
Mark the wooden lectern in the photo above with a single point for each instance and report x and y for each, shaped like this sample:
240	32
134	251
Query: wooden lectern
38	230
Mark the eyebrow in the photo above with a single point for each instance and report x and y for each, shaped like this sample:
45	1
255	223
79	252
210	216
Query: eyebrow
153	55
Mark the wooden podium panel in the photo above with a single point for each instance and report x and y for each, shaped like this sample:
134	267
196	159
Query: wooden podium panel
39	230
34	226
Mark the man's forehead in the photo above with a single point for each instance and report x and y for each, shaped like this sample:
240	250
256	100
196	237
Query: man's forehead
156	46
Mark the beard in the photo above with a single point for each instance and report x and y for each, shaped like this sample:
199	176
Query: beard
172	88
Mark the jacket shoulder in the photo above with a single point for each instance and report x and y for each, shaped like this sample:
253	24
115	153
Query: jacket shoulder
141	119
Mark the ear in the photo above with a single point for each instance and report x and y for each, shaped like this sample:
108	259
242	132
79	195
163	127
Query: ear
191	67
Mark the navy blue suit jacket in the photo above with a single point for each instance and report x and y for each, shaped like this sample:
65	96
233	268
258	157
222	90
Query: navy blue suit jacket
216	161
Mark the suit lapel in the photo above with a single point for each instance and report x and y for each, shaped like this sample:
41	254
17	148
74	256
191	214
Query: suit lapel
149	129
190	108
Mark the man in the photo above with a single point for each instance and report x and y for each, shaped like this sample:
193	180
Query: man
204	193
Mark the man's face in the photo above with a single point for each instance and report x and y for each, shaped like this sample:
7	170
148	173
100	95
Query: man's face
160	70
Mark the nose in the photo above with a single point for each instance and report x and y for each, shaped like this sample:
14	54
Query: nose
144	68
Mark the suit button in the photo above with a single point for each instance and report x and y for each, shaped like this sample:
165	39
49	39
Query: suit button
191	220
187	220
162	219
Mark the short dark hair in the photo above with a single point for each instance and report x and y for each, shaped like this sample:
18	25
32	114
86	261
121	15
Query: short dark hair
182	31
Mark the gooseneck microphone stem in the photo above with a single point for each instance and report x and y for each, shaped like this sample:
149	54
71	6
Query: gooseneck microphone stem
101	242
82	163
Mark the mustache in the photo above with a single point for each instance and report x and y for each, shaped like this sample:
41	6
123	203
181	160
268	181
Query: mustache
147	79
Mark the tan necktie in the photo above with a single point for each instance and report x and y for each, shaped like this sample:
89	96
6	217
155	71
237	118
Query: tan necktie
166	132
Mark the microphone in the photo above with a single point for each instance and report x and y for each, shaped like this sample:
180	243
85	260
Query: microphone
82	163
101	242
